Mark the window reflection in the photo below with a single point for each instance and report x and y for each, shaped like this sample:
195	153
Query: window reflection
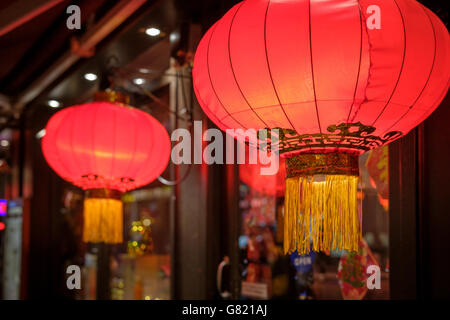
268	273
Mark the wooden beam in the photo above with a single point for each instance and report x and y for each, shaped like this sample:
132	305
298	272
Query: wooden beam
115	17
20	12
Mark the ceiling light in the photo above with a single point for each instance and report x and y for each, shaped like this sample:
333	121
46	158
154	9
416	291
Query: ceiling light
4	143
174	36
53	103
90	76
139	81
153	32
144	70
40	134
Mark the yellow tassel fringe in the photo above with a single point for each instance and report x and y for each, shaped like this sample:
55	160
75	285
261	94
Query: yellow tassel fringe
103	221
322	210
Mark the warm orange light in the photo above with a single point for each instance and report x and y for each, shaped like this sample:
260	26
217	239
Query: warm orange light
106	148
106	145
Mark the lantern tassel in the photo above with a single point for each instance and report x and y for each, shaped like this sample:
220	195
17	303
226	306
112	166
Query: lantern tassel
322	210
103	220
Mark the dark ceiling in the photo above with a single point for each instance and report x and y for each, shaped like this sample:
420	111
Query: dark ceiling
32	46
34	37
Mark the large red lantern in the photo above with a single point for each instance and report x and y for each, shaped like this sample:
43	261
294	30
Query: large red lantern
105	147
337	78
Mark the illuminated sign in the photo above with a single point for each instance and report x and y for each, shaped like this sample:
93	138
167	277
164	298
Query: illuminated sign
3	207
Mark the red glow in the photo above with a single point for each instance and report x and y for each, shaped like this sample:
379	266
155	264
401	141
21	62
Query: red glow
106	145
2	226
272	185
306	65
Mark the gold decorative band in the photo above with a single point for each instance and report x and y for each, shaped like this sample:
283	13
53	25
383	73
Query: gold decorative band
103	194
354	137
322	163
112	96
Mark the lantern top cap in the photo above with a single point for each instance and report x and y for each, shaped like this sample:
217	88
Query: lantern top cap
112	96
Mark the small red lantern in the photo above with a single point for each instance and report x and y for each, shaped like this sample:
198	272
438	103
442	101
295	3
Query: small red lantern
337	78
105	147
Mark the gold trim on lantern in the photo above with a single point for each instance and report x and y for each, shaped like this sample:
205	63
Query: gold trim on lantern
355	137
321	205
103	193
322	163
321	214
112	96
103	216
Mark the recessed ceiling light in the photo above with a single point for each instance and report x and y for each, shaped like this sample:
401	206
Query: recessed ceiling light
90	76
40	134
153	32
4	143
53	103
174	36
139	81
144	70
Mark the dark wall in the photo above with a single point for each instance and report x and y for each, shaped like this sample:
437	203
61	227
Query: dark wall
50	241
419	168
45	268
436	214
403	216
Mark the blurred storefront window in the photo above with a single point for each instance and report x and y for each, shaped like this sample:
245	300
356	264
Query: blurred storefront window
269	274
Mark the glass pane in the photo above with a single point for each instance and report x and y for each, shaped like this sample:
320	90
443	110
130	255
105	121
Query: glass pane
268	273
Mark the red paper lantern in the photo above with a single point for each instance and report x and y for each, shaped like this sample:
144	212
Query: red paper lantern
105	147
338	78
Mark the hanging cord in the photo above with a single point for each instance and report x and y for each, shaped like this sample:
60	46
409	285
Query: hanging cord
112	65
151	95
179	77
175	182
191	103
